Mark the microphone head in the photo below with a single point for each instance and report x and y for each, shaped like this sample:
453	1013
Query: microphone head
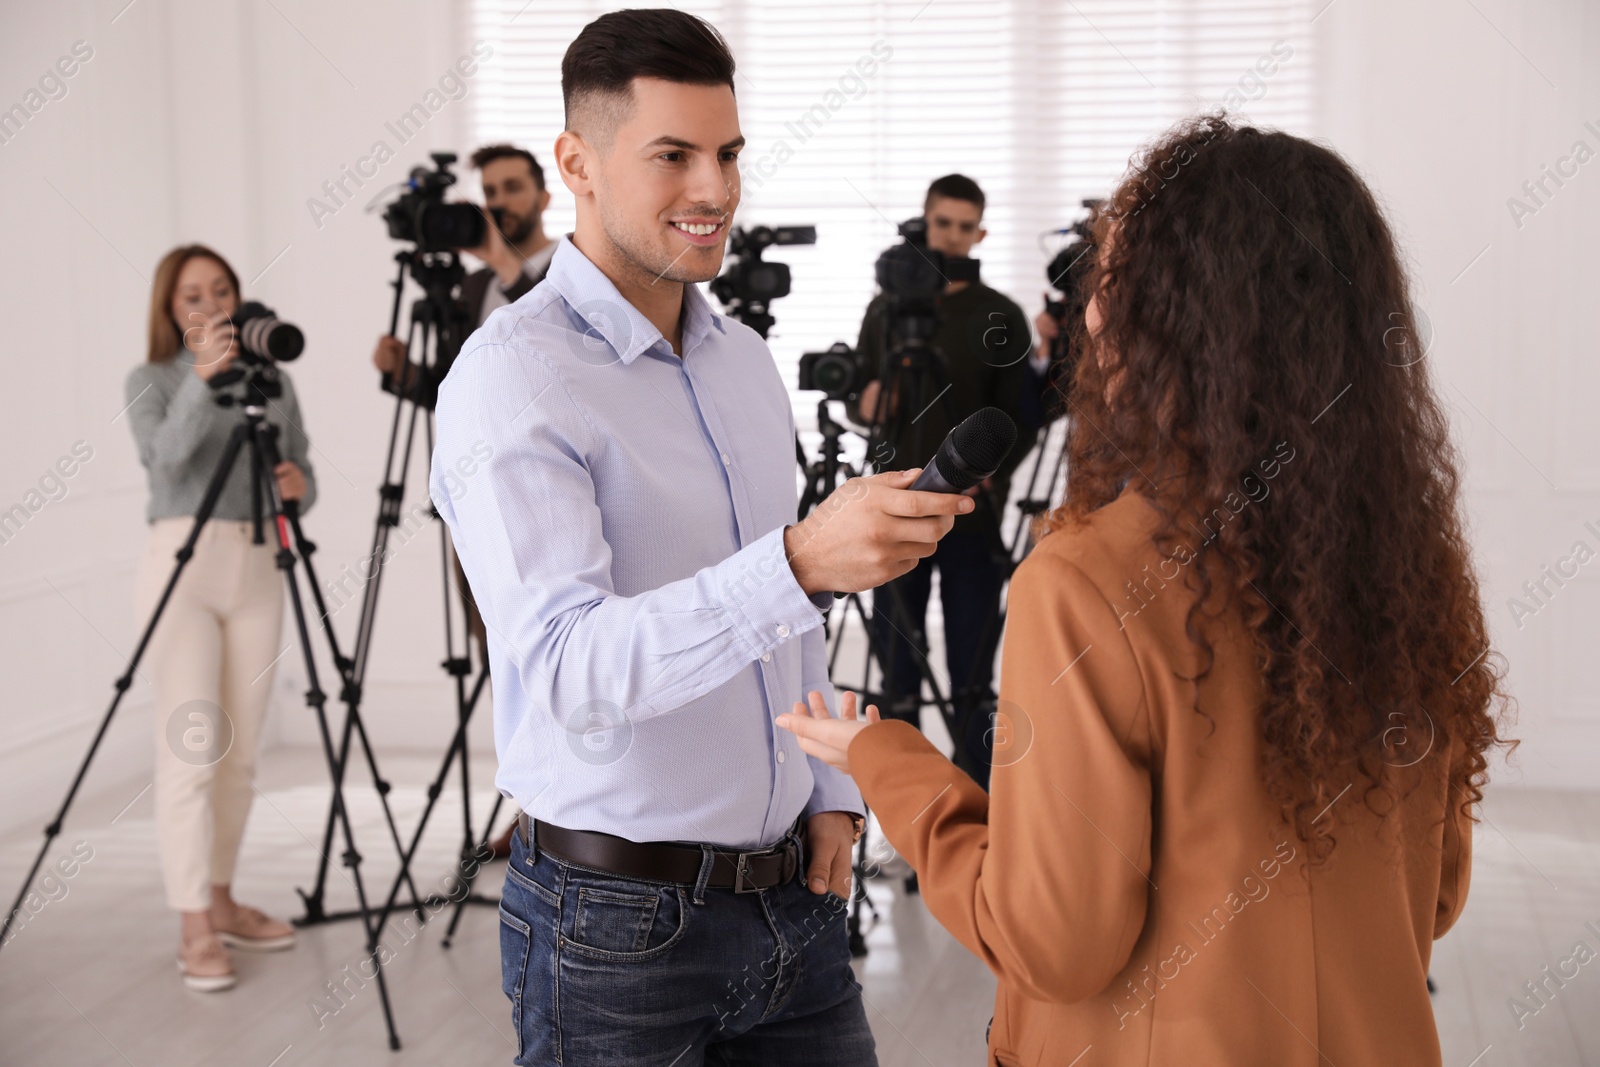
975	449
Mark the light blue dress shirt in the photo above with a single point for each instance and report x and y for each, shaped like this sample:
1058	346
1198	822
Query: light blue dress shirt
619	514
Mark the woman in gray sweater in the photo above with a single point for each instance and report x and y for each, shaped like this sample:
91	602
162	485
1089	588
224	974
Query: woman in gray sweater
212	656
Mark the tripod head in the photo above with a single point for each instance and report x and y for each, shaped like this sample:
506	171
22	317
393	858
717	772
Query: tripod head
439	274
262	382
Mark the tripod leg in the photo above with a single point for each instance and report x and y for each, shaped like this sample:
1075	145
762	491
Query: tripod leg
265	457
350	694
353	670
208	503
435	788
382	788
480	853
858	897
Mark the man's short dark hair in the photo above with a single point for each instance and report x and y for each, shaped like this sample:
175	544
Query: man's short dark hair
491	152
616	48
955	187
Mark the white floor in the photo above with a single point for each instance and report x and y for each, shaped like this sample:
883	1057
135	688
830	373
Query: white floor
90	978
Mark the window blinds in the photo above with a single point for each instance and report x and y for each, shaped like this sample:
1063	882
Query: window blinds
851	109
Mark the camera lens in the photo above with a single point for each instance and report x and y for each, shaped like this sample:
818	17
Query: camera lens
832	374
262	333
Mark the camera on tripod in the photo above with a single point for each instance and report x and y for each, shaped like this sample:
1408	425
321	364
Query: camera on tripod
836	372
421	216
1066	274
264	341
264	337
911	276
751	283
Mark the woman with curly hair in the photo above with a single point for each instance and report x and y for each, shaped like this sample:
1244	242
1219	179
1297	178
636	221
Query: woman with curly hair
1246	693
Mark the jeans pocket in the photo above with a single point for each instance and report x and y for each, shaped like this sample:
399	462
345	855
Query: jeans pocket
515	942
614	925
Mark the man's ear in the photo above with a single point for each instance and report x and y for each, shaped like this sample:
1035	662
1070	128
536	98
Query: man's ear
544	200
982	233
574	158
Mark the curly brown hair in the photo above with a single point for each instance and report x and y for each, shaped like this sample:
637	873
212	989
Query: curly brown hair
1251	297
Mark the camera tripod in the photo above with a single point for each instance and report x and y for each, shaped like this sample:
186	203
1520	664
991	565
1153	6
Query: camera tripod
1029	506
912	371
257	438
437	326
912	379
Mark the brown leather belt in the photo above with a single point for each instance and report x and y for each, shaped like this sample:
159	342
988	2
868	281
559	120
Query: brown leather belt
743	872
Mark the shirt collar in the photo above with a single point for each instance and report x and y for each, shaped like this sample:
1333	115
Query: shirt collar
594	299
540	260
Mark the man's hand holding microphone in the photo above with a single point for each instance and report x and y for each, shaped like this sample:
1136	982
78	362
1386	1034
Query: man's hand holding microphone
869	531
874	529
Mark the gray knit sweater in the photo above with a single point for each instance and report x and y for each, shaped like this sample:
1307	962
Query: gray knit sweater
181	432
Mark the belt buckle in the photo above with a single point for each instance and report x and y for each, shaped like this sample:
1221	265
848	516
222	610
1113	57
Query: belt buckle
741	868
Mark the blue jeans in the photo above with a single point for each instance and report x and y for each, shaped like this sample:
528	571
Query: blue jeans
605	970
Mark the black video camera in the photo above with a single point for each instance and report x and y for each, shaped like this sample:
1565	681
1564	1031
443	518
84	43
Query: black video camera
1067	273
421	216
750	284
911	274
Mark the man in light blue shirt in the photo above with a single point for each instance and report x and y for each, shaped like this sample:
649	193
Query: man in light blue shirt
616	464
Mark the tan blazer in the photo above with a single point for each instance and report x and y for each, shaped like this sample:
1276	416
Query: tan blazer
1128	879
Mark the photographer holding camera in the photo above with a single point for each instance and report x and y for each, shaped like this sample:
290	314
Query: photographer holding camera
515	252
984	340
212	655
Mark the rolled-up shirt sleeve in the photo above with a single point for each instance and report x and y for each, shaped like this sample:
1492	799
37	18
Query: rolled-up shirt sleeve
511	476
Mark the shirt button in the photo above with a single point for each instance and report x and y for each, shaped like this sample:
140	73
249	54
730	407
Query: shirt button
726	459
766	657
780	757
783	630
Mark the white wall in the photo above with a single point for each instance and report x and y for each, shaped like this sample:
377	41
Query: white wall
214	122
218	121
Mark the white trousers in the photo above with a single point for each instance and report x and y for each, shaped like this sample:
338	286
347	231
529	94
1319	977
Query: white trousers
210	662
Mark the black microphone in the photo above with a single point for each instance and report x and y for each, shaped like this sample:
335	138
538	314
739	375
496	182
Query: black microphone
972	452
